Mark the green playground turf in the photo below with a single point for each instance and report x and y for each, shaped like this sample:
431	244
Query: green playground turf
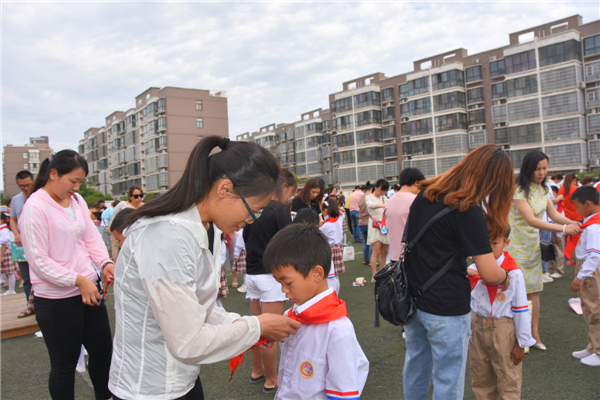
553	374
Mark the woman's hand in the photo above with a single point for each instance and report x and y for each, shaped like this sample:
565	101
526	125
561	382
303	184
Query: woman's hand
572	229
277	327
504	286
109	272
89	291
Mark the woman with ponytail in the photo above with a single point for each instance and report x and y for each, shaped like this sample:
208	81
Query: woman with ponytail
62	246
168	273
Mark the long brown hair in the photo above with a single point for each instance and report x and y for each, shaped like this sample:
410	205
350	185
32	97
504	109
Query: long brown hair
569	178
287	178
312	183
485	178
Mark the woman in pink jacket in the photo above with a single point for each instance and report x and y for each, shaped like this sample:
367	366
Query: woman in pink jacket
62	245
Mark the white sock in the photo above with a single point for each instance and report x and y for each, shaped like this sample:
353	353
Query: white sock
3	278
219	304
11	282
81	360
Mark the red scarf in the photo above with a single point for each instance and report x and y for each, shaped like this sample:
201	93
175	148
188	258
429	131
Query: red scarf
331	220
508	265
328	309
572	240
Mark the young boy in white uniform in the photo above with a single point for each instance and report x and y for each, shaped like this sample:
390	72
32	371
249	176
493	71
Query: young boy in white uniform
323	360
587	282
501	329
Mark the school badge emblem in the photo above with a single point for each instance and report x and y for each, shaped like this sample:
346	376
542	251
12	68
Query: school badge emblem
307	370
500	297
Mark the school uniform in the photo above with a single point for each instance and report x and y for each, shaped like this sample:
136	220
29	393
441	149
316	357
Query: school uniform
7	265
333	229
322	360
223	288
497	328
587	251
240	253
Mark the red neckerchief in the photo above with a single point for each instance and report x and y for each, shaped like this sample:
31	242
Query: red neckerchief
3	227
572	240
331	220
509	264
328	309
227	241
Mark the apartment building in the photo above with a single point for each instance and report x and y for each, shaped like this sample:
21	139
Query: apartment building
538	92
27	157
149	144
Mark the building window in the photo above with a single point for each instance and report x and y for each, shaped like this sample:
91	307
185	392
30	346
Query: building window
474	73
414	87
417	128
370	154
389	132
522	86
368	117
388	113
560	52
343	140
497	68
341	105
199	123
161	104
26	156
450	122
387	94
342	123
520	62
447	101
344	157
418	147
499	90
591	45
198	105
448	79
477	117
366	100
416	107
26	166
475	95
369	136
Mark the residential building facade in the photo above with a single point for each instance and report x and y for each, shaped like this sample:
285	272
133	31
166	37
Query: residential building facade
148	145
27	157
541	91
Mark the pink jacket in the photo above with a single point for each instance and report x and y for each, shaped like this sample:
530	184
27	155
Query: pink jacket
58	249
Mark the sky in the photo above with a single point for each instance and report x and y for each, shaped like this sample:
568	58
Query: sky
68	65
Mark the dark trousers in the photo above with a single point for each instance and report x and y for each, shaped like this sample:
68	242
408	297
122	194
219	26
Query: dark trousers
195	394
350	227
24	272
67	324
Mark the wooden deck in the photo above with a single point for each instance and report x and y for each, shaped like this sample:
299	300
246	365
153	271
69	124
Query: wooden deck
11	326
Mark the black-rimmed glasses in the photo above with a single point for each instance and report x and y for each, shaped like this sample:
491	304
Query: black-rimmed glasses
253	215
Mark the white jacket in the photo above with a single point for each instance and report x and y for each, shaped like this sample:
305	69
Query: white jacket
167	321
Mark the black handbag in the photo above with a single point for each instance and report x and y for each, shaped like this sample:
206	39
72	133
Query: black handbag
548	252
392	295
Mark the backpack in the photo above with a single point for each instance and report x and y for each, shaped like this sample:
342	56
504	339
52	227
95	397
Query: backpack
392	295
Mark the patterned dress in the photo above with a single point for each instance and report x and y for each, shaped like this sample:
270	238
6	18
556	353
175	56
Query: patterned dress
524	244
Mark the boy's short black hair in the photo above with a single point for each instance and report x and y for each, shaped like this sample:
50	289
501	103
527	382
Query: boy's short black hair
119	223
300	246
409	176
307	216
24	175
554	188
585	193
4	217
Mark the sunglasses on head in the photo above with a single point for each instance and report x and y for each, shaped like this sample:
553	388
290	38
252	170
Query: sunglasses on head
137	196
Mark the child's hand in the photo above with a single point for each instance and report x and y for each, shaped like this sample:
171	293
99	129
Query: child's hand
504	286
576	285
267	345
517	355
472	272
237	259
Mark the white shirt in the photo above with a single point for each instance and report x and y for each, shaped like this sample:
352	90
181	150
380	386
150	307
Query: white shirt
6	238
512	304
322	361
240	245
167	321
588	250
334	231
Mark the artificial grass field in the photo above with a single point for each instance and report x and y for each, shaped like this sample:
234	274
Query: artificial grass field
553	374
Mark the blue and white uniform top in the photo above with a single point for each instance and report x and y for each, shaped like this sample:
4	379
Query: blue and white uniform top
322	361
512	304
588	249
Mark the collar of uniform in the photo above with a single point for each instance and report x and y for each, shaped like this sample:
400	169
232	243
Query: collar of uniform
500	260
298	309
588	218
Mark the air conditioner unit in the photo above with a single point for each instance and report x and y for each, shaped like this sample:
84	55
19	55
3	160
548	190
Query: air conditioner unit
506	147
582	85
394	141
497	103
592	111
405	138
334	149
333	115
493	58
476	61
404	119
420	153
406	158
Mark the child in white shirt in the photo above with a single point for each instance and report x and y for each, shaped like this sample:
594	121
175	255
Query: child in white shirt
8	267
323	360
501	329
333	229
239	264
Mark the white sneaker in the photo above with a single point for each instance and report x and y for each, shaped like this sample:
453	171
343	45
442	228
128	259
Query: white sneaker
242	289
556	275
592	361
546	278
581	354
9	293
80	369
404	335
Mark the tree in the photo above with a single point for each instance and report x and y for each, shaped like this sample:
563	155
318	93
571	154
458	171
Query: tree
91	196
4	198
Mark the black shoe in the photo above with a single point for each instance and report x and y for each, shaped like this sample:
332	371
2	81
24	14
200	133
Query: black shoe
270	390
259	379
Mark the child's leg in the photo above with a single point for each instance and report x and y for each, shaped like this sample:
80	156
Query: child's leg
258	368
483	378
11	283
269	356
590	305
509	375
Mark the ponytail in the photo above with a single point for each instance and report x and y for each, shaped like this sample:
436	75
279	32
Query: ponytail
569	178
251	168
331	206
64	162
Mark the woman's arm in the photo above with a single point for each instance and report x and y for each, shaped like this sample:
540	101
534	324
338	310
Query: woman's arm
369	202
93	241
2	250
527	214
558	199
489	270
556	216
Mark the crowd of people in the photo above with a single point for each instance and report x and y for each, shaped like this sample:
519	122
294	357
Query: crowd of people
234	205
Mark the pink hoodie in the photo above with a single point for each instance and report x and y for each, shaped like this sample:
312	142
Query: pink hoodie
56	248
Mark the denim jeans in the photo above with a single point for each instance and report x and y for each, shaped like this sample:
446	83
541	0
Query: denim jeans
545	235
436	346
355	215
364	230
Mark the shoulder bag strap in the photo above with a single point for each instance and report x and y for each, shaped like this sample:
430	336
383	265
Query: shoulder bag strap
437	216
438	274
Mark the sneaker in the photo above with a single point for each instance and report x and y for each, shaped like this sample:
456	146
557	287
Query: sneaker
592	361
581	354
556	275
80	369
404	335
546	278
9	292
242	289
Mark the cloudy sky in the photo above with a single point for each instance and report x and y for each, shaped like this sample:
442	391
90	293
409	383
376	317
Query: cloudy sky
67	65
